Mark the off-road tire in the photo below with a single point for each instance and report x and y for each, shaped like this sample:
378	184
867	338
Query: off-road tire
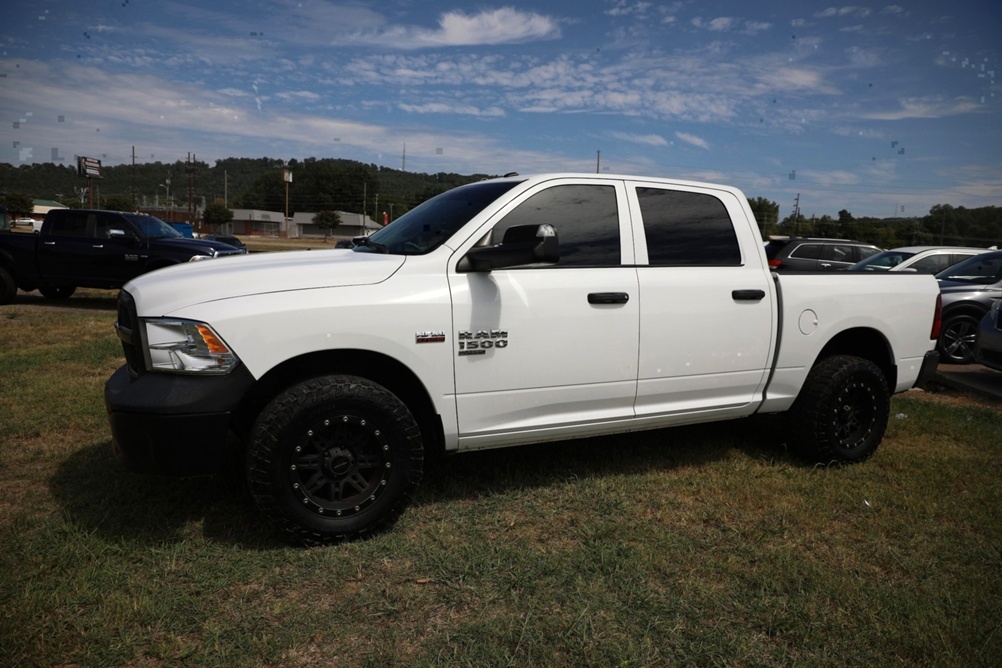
8	288
58	292
334	458
840	415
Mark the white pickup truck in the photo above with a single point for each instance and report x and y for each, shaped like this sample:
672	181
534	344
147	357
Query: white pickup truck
509	311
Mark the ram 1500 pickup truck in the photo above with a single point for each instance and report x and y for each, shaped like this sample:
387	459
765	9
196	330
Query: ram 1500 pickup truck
509	311
93	249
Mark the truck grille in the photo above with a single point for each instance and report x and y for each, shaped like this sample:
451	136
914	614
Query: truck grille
127	327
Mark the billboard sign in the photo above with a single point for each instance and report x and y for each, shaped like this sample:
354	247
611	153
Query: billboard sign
89	167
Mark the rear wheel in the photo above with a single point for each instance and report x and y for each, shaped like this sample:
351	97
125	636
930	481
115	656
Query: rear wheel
334	458
8	288
58	292
841	413
956	341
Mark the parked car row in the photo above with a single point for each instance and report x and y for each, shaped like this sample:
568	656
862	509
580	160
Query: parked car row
970	283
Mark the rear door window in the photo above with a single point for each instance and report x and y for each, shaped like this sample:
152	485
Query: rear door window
72	224
837	253
932	264
686	228
807	251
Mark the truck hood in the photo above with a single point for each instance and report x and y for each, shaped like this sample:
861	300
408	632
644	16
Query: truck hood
200	245
164	291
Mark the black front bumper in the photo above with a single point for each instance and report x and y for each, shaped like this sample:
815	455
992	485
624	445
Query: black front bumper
172	424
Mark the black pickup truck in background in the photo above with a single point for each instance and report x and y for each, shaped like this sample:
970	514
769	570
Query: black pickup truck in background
94	249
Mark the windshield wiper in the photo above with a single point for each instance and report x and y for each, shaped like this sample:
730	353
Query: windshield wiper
365	241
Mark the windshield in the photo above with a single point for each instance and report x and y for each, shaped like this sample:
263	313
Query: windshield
427	226
984	268
882	261
152	227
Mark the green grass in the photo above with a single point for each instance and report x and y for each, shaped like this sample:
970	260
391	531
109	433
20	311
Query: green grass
705	545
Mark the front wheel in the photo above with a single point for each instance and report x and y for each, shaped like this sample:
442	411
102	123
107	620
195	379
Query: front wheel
956	341
841	412
334	458
58	292
8	288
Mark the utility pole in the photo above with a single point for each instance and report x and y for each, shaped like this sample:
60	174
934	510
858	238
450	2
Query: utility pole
133	177
796	216
598	161
190	169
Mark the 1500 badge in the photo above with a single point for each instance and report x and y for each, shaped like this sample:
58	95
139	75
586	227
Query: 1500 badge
482	340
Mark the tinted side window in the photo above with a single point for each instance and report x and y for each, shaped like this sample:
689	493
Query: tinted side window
837	253
684	228
807	251
866	251
932	264
105	223
71	224
586	219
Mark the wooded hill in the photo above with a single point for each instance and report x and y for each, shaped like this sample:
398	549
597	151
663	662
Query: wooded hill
347	185
253	183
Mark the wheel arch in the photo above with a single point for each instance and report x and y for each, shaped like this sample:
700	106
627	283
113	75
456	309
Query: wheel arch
965	307
376	367
867	343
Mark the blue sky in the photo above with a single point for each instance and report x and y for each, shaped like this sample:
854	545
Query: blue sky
880	109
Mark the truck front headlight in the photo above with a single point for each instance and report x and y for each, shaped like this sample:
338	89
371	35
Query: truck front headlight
187	346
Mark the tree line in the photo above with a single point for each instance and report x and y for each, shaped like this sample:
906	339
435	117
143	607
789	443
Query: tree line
332	184
944	225
246	183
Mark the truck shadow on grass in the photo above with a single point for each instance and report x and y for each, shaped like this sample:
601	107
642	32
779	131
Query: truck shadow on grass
83	299
476	474
97	494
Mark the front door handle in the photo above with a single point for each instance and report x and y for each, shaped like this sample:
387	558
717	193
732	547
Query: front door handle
608	297
747	295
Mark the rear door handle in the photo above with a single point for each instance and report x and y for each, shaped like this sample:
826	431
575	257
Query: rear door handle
747	295
608	297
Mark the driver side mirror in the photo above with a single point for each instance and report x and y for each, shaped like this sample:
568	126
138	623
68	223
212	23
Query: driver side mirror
521	245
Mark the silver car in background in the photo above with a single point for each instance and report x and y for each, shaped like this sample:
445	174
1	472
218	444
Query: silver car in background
968	290
988	344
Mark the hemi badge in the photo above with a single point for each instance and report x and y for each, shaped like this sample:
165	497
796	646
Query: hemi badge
429	337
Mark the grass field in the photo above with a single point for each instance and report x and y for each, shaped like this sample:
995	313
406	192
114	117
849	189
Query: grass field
697	546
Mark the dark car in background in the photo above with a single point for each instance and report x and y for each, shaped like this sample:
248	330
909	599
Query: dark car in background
816	254
226	239
920	259
968	290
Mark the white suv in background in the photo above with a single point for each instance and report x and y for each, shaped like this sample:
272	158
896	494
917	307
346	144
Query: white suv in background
920	259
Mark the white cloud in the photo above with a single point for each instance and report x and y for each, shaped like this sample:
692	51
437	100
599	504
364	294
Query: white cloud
626	8
693	139
443	108
831	178
927	108
648	140
731	24
794	79
456	28
861	12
